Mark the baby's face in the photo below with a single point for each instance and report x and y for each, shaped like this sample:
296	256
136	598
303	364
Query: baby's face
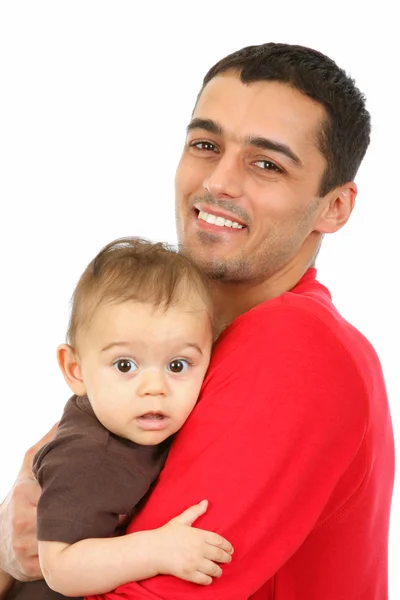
143	368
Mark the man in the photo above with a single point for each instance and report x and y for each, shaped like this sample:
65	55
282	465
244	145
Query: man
291	441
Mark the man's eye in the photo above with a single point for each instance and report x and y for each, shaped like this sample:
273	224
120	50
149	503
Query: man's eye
208	146
267	165
178	365
124	365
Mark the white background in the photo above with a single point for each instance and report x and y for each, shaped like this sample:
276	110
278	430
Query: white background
94	100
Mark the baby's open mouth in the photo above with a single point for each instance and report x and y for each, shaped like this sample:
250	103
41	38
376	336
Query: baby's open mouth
152	415
153	421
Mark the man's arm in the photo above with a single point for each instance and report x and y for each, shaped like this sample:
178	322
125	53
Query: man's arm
18	543
271	436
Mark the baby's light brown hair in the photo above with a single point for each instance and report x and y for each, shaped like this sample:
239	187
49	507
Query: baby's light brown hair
134	269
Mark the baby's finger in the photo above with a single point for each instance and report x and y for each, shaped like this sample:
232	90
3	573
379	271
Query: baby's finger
217	554
199	578
208	567
220	542
189	516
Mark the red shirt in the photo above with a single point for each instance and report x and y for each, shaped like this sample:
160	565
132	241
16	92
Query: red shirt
292	444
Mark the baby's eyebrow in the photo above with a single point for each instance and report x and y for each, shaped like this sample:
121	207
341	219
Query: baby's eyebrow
112	344
129	345
195	346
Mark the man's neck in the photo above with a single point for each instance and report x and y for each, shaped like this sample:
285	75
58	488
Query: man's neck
232	299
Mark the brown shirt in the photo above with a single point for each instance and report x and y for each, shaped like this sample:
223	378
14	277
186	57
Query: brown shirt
89	477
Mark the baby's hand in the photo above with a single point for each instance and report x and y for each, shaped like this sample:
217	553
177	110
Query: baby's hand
189	553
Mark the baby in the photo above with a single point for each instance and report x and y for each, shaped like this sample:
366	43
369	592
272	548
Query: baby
139	345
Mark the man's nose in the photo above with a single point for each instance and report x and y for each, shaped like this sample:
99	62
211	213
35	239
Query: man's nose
153	382
226	179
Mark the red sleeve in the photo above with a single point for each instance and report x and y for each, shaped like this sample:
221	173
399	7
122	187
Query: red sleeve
281	416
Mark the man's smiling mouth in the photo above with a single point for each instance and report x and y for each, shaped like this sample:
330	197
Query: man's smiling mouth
218	221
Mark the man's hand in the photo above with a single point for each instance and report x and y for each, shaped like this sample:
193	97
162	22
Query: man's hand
18	543
189	553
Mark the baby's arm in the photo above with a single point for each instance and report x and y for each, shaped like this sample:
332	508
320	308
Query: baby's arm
96	566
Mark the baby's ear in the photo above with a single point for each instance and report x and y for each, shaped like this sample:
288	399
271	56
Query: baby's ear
71	369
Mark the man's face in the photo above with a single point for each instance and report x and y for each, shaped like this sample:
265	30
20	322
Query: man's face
247	183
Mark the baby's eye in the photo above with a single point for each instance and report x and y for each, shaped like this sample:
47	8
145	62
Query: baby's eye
178	365
124	365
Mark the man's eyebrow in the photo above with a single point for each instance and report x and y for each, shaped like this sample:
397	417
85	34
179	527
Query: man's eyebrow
206	124
250	140
266	144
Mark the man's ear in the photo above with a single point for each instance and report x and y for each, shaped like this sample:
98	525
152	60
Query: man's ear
71	369
338	206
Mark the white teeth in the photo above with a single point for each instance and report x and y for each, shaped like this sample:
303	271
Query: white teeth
219	221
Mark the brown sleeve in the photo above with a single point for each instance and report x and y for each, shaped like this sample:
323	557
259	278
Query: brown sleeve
84	489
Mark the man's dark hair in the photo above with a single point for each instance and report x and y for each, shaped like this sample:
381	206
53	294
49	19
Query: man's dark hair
344	136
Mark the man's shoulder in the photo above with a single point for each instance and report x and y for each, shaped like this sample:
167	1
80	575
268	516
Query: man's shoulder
284	313
298	322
